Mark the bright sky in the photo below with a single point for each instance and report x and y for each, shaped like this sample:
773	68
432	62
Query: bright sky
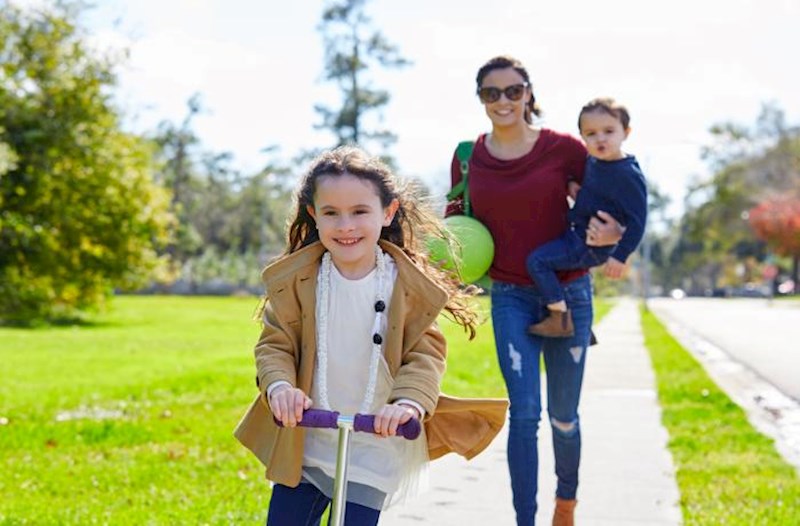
679	66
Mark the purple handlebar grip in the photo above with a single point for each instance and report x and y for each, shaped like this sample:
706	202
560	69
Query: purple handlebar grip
317	418
366	423
410	430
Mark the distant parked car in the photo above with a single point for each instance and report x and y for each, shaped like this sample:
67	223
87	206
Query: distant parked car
750	290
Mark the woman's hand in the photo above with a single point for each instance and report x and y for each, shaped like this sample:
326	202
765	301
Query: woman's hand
392	415
603	230
288	403
572	189
614	268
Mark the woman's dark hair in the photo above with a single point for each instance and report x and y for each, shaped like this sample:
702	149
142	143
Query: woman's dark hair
503	62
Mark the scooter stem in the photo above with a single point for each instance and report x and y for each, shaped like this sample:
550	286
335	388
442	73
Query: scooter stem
345	424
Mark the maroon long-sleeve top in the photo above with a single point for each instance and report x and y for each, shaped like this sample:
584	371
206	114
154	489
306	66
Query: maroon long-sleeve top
523	201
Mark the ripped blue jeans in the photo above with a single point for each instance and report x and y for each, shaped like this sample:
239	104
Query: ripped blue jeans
514	308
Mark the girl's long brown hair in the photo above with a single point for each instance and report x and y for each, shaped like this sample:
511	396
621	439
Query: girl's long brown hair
412	224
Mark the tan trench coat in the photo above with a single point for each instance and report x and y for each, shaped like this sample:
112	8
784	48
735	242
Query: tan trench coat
415	352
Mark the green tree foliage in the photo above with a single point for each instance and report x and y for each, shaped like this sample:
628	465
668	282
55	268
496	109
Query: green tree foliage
352	48
657	242
175	157
80	213
226	219
264	208
751	164
8	160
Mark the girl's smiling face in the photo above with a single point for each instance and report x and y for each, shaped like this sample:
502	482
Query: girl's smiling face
349	217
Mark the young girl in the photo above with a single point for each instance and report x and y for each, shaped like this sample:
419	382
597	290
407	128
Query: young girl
349	324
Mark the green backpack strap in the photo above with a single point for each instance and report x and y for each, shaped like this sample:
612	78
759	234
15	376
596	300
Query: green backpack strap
463	154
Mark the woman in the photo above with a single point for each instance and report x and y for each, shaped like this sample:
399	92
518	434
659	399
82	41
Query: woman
519	178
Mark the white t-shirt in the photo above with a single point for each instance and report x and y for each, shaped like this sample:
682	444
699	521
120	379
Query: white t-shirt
375	461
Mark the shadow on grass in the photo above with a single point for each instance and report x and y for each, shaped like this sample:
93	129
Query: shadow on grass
58	323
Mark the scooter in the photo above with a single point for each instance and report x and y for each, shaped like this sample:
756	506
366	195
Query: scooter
321	418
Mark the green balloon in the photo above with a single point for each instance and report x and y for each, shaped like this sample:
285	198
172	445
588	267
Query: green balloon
469	249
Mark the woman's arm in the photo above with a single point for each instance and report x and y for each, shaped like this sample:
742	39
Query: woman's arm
604	231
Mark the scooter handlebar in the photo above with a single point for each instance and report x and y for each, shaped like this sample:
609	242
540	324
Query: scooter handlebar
322	418
409	430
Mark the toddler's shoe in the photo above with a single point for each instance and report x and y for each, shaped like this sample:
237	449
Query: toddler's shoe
558	324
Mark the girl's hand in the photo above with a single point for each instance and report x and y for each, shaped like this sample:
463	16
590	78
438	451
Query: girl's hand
614	268
287	404
392	415
603	230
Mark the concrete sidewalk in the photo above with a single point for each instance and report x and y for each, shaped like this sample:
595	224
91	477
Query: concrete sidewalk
627	476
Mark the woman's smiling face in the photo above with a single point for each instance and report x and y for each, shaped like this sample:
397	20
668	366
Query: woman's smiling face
505	112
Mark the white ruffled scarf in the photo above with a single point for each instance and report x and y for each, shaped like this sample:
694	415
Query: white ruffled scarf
414	478
321	375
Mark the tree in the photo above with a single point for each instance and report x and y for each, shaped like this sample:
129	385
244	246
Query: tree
219	209
176	165
352	48
777	221
750	165
80	212
8	160
659	237
266	205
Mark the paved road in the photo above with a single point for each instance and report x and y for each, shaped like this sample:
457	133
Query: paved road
751	349
764	336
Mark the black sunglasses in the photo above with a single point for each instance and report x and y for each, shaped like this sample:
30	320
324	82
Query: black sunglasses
492	94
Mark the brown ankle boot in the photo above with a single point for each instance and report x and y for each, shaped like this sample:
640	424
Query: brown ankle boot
558	324
564	514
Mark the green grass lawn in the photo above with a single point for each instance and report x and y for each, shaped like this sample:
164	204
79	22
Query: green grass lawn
129	420
728	473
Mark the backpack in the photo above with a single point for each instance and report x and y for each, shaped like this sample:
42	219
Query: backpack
463	154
